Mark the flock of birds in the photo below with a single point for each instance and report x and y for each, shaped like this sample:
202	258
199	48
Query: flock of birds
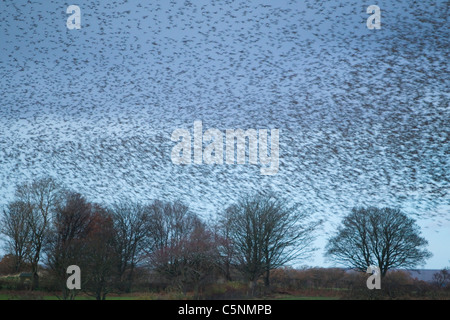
363	114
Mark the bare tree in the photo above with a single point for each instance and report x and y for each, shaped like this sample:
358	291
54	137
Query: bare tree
66	245
386	238
183	249
131	223
267	233
14	225
225	245
39	199
442	278
171	225
198	257
99	262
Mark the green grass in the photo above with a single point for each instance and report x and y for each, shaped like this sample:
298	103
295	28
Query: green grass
22	297
50	297
37	295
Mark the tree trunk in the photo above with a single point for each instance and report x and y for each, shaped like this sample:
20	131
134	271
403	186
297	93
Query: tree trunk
129	284
252	286
267	279
35	281
227	272
18	264
65	293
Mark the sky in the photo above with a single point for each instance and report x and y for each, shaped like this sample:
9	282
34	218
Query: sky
363	114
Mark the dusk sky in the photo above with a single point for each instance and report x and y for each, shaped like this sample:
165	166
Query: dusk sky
363	114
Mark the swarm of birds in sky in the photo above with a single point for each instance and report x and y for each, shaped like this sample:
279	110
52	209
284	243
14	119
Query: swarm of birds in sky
363	114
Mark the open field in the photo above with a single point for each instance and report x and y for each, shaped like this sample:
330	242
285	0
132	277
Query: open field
286	284
143	296
40	296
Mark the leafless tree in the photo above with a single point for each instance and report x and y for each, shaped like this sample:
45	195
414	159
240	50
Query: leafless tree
14	226
441	279
267	233
183	249
71	225
171	223
131	223
386	238
39	200
225	245
99	262
198	256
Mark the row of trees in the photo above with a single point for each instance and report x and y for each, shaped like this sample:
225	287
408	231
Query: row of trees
49	225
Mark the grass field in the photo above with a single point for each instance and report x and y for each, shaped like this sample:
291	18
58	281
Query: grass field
25	296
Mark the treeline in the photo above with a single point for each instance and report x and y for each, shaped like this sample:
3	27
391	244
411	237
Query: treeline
48	225
161	244
348	284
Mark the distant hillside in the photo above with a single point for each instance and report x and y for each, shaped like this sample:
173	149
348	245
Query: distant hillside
423	274
419	274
